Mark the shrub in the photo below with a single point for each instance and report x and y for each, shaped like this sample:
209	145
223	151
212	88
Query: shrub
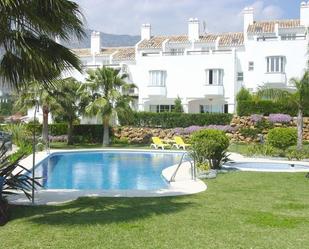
211	146
243	94
20	133
23	151
58	129
178	105
298	155
279	118
256	118
282	138
173	119
11	182
261	149
263	125
189	130
123	141
249	132
266	107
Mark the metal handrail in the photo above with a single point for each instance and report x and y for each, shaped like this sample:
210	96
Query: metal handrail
179	165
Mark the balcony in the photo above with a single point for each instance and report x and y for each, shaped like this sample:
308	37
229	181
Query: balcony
275	78
156	91
214	90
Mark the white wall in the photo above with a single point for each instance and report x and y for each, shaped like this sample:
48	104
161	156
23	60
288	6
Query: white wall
295	52
39	115
186	76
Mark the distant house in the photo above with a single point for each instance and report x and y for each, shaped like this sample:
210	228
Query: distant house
207	70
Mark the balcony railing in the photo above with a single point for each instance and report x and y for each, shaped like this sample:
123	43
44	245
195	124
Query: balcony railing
275	78
156	90
214	90
173	53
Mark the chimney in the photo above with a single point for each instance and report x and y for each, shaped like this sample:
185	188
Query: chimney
248	17
146	31
193	29
95	42
304	14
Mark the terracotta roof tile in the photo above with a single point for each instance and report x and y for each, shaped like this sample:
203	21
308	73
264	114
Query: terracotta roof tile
178	39
269	26
231	39
83	52
154	42
226	39
125	54
208	38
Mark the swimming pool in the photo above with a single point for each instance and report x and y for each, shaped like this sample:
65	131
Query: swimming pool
106	170
268	166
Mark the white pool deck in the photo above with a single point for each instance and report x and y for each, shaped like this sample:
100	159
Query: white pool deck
183	184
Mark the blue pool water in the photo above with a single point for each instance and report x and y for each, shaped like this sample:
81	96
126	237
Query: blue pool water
106	170
268	166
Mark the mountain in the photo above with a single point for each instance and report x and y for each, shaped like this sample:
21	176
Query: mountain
107	40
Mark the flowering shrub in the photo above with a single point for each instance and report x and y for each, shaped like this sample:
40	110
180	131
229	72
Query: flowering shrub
280	118
62	138
189	130
256	118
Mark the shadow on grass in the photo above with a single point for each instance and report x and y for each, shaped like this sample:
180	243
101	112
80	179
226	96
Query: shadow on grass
88	210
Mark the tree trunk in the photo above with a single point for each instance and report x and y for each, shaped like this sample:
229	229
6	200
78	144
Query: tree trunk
45	124
70	133
300	125
105	131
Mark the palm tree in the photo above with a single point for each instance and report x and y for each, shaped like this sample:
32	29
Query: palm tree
107	94
299	97
68	98
28	50
31	93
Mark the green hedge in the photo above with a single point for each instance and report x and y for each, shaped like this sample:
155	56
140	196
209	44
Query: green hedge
173	120
266	107
81	133
58	129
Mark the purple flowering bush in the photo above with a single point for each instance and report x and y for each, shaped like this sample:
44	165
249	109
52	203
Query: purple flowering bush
62	138
279	118
189	130
256	118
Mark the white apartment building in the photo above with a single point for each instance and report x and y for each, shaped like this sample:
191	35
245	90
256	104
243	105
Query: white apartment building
207	70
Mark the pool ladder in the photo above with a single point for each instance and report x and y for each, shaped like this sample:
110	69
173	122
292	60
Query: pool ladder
193	171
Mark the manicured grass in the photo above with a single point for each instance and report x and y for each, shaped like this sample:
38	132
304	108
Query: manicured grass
238	210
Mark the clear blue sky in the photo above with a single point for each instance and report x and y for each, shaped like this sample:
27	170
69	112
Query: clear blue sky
170	16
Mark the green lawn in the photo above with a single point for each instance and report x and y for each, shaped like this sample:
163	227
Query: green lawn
238	210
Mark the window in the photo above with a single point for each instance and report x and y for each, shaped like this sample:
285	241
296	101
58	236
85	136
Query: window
212	108
240	76
288	37
157	78
161	108
177	51
214	76
251	66
275	64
